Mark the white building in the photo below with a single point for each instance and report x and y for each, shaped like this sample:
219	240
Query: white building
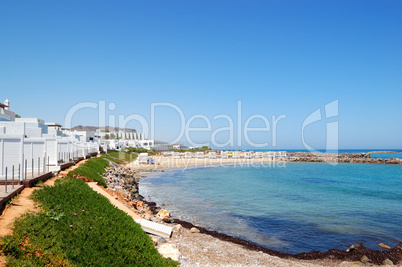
32	146
5	113
102	134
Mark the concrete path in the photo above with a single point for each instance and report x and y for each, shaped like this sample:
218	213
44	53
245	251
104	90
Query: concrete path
10	190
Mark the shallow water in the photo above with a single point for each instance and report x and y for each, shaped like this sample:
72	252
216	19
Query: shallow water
296	208
386	155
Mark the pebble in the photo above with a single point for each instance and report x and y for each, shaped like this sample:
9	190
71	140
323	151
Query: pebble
194	230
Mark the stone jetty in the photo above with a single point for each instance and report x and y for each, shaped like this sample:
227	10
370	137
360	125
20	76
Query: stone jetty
340	158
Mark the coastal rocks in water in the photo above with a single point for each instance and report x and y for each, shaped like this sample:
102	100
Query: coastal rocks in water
122	179
354	247
169	251
340	158
142	207
384	246
194	230
164	215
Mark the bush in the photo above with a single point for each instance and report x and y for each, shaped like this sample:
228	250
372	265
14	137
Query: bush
79	227
92	170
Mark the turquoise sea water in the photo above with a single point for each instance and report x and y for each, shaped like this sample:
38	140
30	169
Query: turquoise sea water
293	207
386	155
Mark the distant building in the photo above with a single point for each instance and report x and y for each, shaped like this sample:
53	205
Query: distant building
119	135
5	113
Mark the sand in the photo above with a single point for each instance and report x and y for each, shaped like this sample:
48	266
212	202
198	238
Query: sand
162	163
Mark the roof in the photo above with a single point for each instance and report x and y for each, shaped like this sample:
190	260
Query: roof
53	124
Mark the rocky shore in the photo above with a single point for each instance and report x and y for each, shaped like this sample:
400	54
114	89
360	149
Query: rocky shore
340	158
193	245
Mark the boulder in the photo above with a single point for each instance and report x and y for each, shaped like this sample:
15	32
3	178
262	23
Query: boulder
164	215
364	259
194	230
387	262
177	228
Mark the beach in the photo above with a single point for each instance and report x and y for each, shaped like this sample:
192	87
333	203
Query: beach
163	163
212	248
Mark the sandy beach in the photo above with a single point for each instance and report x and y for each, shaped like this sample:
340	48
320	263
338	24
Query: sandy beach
163	163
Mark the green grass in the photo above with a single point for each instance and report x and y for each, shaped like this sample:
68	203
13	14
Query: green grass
78	227
122	155
112	159
92	170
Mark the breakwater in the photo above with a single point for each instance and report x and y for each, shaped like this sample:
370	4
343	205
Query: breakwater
340	158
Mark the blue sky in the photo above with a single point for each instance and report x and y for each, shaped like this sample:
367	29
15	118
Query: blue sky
276	57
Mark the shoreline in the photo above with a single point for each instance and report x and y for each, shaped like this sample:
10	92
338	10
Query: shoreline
164	163
356	253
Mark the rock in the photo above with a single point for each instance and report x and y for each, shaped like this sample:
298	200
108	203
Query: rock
139	205
158	240
194	230
164	215
354	247
384	246
169	251
364	259
177	228
387	262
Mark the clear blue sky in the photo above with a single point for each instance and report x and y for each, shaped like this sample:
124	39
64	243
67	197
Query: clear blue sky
277	57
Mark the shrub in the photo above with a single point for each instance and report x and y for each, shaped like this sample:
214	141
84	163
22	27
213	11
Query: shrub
92	170
79	227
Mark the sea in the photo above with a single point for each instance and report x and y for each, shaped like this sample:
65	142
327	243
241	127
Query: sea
291	207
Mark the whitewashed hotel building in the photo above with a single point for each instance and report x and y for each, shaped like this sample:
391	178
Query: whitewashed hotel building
31	146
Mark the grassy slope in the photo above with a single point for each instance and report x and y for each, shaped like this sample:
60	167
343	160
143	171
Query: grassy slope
78	227
122	155
92	170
